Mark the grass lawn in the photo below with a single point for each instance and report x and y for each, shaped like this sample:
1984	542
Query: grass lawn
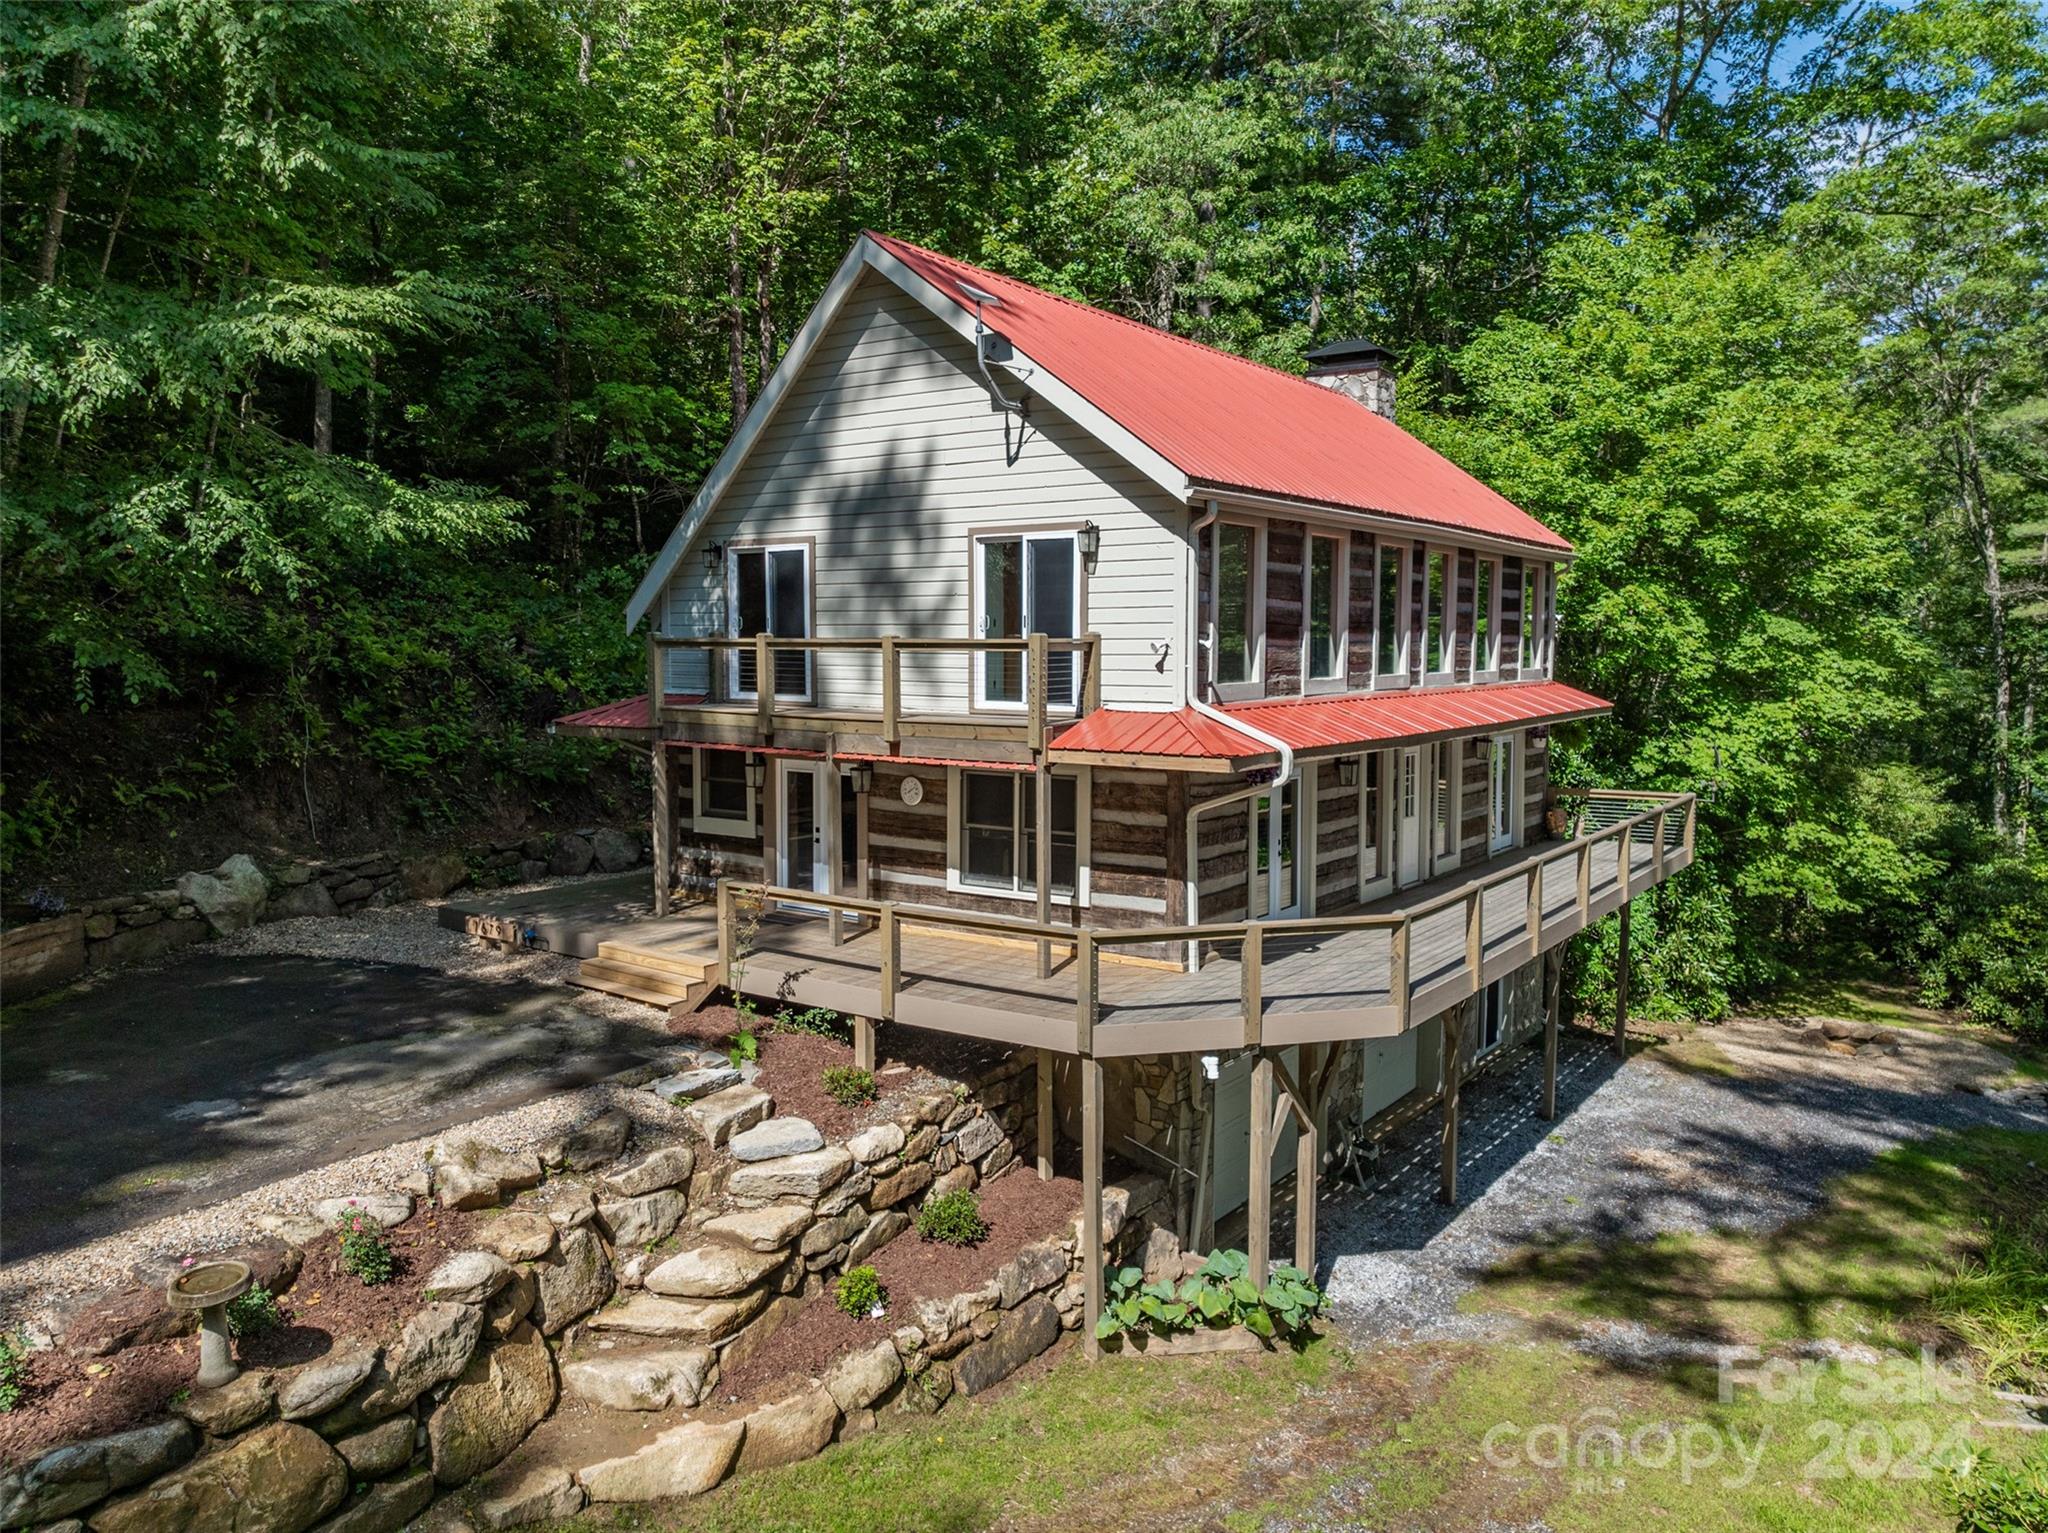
1933	1242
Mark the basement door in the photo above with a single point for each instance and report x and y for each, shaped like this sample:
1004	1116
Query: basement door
1233	1142
804	836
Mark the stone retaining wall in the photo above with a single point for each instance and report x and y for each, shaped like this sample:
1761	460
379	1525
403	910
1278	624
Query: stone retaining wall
137	927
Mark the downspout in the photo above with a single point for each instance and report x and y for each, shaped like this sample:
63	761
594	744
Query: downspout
1201	525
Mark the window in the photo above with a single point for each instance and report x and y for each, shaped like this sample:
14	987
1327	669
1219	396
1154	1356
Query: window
1325	609
1390	650
1532	620
1372	853
721	794
1235	622
1024	584
1445	807
1439	634
1274	891
1486	619
996	849
1500	800
768	590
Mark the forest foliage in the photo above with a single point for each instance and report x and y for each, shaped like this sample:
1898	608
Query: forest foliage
353	356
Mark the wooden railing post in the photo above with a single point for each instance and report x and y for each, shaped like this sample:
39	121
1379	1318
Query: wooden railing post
1087	978
1252	960
1397	968
1657	854
655	690
727	929
764	687
1042	853
1535	915
1585	882
892	958
1035	689
1091	685
1475	942
1692	810
892	692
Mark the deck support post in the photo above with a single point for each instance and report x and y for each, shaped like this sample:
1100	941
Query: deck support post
863	1037
1307	1158
1091	1204
1621	986
1454	1071
1045	1124
664	825
1553	1000
1042	854
1258	1235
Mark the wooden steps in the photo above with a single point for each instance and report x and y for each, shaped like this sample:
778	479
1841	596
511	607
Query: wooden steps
653	975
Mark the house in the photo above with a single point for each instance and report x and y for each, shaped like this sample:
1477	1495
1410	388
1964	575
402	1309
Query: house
1066	683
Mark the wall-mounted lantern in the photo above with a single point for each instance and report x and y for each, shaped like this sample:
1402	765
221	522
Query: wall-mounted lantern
1347	771
714	558
757	773
862	776
1089	540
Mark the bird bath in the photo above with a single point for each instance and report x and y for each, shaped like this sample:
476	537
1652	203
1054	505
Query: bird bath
208	1288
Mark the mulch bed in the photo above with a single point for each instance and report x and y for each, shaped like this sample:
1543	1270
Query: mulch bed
1019	1209
70	1399
793	1069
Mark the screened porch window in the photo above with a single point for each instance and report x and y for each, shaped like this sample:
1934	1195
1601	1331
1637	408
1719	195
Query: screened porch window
1439	634
1236	603
1390	652
1486	619
999	832
1025	584
1325	609
768	590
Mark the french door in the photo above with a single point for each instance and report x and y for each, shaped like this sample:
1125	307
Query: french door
805	835
1275	893
1500	802
1410	818
1025	583
768	590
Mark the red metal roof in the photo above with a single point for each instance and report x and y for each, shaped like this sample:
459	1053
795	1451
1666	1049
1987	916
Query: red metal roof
1227	423
784	750
626	713
1327	723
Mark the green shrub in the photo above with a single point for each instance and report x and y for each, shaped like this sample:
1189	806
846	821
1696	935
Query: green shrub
1219	1294
1984	946
744	1049
365	1253
1992	1496
818	1021
954	1217
849	1085
860	1293
254	1312
13	1365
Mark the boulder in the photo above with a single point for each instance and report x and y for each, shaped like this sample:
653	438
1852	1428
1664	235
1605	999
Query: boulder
281	1478
571	856
383	1508
592	1144
901	1187
881	1229
431	876
683	1461
712	1271
70	1478
547	1494
871	1144
614	850
468	1277
977	1137
470	1174
861	1378
953	1181
663	1169
827	1233
788	1430
234	1406
517	1237
322	1385
572	1282
687	1320
717	1117
858	1184
651	1380
1019	1336
379	1450
775	1138
1033	1270
502	1395
231	897
643	1220
386	1208
703	1081
761	1229
435	1346
793	1176
297	903
512	1303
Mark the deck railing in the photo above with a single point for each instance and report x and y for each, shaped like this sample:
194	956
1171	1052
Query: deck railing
1034	710
1416	987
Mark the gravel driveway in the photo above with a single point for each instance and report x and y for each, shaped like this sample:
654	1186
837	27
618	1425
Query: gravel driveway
1637	1150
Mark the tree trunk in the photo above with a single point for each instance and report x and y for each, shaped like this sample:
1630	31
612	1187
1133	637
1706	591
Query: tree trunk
323	394
53	234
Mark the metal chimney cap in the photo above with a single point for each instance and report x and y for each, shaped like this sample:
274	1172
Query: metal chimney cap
1349	355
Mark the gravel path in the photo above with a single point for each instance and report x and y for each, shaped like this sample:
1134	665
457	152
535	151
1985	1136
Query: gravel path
1637	1150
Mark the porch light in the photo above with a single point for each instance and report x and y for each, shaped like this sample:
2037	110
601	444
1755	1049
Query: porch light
862	776
1347	771
714	558
757	773
1089	540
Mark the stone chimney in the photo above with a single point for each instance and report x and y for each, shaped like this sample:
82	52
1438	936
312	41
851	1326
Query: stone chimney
1359	369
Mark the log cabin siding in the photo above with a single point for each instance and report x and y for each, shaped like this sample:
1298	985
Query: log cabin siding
1510	619
1336	841
1286	561
886	454
1360	595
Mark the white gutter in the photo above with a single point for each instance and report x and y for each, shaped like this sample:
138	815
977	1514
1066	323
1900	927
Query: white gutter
1201	525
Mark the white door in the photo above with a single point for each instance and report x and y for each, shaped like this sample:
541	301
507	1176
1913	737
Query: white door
1026	584
1275	893
1411	822
1500	829
1234	1132
805	842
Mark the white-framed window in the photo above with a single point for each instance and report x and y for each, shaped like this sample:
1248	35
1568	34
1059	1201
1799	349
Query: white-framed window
1501	792
1539	598
1450	755
1026	583
1237	612
768	590
1324	612
721	794
992	834
1390	630
1493	1017
1375	816
1273	877
1440	617
1486	619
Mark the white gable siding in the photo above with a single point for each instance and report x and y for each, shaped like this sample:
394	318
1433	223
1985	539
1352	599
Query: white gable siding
887	453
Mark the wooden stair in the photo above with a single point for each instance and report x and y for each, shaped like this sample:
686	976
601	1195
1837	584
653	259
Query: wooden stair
653	975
